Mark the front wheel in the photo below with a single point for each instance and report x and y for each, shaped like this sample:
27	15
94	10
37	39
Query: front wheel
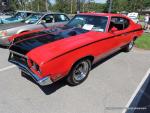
79	72
129	47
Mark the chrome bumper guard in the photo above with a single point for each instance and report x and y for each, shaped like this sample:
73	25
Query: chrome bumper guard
43	82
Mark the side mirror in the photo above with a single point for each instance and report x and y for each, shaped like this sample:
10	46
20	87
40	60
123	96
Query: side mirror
42	22
112	30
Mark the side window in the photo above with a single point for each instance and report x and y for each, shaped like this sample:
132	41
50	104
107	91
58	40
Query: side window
49	19
61	18
23	15
119	23
126	23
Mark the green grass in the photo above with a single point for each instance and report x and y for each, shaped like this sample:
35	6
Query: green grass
141	17
143	42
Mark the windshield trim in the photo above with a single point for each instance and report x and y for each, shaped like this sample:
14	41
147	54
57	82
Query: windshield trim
91	16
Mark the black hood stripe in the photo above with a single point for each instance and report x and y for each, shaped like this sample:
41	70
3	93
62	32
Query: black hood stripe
21	39
28	42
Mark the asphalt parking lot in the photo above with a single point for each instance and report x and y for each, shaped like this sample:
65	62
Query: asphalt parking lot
110	84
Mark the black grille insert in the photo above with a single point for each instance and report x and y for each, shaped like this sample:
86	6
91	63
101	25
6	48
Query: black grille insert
18	58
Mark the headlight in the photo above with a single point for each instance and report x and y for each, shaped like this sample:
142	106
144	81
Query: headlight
35	66
3	33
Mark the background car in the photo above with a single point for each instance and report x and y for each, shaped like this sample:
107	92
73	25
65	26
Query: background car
3	16
71	50
133	16
35	21
18	17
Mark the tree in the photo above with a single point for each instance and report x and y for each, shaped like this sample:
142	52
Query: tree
70	6
128	5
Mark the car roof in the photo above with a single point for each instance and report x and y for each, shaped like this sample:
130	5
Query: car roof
102	14
49	13
24	11
44	13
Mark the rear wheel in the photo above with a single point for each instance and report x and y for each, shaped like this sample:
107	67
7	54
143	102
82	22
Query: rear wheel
79	72
129	47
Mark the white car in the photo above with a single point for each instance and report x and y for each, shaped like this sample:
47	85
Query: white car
134	17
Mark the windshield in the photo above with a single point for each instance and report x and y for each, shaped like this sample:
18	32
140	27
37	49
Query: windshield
87	22
33	18
19	15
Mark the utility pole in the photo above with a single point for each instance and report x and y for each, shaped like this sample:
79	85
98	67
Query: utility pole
38	6
110	6
71	6
83	7
46	4
31	5
78	6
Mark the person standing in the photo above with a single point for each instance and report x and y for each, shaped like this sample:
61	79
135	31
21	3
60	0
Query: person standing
148	24
146	20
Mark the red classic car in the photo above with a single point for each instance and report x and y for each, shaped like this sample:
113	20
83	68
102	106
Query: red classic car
71	50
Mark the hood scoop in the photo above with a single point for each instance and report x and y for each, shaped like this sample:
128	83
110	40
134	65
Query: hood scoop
72	33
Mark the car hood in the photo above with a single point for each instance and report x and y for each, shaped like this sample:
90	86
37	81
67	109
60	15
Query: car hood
9	26
44	46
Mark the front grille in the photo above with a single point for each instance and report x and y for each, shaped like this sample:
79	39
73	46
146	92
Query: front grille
18	58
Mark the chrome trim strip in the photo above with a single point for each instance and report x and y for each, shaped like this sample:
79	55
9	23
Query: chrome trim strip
43	82
25	69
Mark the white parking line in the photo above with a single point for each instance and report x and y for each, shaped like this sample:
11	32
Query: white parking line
136	91
7	68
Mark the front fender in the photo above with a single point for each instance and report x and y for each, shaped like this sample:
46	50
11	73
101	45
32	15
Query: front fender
61	65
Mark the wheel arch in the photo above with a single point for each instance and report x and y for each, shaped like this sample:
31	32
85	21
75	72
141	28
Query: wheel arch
90	57
135	37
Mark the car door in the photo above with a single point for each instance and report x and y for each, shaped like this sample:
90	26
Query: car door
54	19
47	21
121	34
104	43
114	38
61	19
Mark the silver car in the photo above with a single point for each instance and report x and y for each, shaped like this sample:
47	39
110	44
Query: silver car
35	21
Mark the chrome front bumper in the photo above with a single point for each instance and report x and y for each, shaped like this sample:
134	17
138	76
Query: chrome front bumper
43	82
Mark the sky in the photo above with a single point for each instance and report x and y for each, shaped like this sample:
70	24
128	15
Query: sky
98	1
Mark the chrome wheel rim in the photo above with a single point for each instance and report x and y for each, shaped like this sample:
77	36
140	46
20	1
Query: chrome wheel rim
81	71
131	45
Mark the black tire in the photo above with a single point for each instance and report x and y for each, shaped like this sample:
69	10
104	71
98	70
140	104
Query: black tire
76	75
129	47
